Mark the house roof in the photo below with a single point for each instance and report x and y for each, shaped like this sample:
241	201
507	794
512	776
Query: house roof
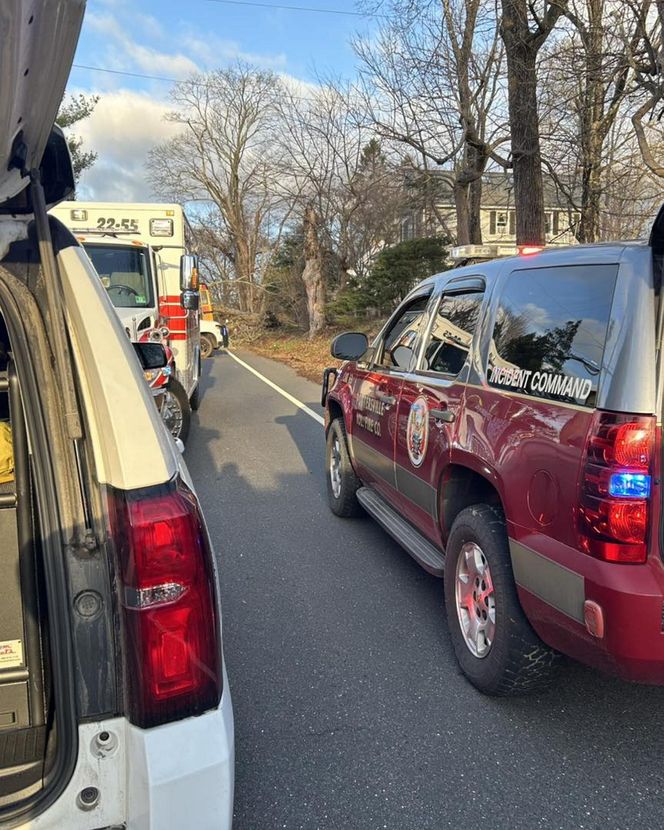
497	189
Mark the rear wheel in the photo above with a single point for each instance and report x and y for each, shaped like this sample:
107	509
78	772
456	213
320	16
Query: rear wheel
208	345
342	483
495	645
176	410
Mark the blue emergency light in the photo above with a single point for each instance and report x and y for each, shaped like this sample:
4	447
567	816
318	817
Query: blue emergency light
629	485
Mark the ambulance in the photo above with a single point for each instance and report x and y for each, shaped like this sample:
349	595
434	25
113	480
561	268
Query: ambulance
136	249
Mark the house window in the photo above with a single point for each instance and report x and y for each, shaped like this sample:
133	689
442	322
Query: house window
501	221
547	223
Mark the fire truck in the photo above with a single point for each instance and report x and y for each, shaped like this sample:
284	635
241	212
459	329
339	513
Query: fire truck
137	251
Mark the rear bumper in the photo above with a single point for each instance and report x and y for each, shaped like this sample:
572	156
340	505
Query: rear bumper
554	587
175	776
182	774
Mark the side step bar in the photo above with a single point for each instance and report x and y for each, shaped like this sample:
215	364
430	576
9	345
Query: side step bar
423	552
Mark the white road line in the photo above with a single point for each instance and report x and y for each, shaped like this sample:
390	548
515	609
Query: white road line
278	389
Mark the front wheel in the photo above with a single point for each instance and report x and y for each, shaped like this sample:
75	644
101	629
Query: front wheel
208	345
494	643
342	483
176	411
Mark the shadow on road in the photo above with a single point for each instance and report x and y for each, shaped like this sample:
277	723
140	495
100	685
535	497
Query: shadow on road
299	426
350	709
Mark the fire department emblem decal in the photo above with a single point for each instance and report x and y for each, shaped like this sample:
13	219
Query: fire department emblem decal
417	431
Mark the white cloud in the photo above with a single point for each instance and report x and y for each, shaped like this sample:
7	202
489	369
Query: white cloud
126	124
122	52
213	52
123	128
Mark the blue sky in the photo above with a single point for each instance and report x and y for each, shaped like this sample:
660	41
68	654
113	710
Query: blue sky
172	39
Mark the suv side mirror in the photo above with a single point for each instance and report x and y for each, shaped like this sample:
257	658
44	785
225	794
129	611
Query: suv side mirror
349	346
188	272
189	300
151	355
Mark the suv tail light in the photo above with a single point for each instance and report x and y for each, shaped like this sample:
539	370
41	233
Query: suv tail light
167	595
615	487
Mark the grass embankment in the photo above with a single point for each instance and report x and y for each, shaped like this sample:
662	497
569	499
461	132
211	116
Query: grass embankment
307	357
289	345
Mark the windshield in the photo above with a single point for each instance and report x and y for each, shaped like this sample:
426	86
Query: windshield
124	273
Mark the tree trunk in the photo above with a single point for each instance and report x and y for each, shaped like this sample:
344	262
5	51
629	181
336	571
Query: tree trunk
312	275
594	127
478	162
462	205
521	52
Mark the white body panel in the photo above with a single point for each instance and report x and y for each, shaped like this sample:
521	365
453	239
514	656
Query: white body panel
210	327
132	446
168	778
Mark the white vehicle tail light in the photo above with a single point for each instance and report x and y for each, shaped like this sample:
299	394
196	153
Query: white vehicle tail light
167	593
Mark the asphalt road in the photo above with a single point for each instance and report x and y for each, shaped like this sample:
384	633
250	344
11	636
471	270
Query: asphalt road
349	708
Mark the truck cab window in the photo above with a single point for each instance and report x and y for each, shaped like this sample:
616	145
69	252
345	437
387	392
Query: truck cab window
124	273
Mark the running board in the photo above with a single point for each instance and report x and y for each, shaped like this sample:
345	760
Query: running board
422	551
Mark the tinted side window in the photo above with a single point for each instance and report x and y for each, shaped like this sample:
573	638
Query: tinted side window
404	333
452	333
550	332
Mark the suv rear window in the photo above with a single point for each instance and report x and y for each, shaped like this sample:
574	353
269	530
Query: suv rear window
550	331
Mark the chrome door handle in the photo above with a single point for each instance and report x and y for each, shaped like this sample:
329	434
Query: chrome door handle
388	400
443	415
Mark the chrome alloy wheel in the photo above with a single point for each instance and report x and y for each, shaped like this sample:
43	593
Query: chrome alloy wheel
171	414
335	468
475	600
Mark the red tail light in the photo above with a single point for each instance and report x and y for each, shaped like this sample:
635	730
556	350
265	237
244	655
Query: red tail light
615	487
172	651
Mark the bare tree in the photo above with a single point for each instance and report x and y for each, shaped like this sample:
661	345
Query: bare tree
647	61
225	156
522	45
431	79
333	182
586	79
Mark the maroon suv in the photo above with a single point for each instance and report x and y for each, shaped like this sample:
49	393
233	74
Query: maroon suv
505	428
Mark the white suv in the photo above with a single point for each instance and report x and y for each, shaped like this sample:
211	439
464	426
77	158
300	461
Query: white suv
114	703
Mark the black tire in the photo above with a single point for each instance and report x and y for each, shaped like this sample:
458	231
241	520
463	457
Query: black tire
517	662
195	400
344	502
178	396
208	345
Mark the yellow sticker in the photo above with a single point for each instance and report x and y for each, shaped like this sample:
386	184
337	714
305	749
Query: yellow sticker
11	654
